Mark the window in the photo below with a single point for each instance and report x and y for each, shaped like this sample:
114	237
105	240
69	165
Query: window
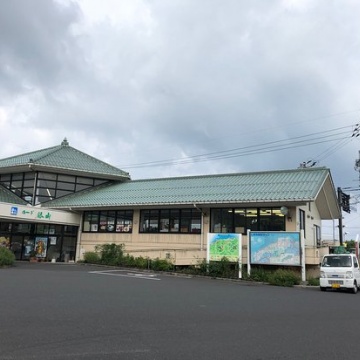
149	221
21	228
69	229
80	187
108	221
68	248
85	181
42	229
337	261
174	220
5	227
271	220
103	221
251	219
21	184
47	186
238	220
170	221
47	176
5	178
124	221
66	186
91	221
60	193
66	178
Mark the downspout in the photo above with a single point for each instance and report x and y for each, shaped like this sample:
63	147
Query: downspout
202	227
79	249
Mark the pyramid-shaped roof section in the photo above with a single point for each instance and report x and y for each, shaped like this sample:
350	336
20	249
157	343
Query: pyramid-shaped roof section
62	159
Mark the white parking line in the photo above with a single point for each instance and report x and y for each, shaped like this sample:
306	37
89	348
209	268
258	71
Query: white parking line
121	273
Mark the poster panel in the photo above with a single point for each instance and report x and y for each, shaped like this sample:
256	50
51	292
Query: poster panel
224	245
41	246
275	248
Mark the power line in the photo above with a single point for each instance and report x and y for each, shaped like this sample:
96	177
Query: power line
332	135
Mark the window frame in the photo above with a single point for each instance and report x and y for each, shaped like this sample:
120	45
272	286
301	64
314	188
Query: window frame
108	221
170	221
250	219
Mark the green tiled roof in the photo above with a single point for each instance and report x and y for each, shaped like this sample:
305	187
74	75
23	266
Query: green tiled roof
62	158
6	196
298	185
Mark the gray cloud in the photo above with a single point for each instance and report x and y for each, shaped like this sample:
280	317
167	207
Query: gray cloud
36	47
181	78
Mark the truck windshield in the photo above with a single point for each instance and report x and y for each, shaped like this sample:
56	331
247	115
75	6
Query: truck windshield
337	261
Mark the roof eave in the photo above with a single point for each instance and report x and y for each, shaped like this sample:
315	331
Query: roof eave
29	167
257	203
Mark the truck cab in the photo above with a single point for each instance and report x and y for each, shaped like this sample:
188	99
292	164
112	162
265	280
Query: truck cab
340	271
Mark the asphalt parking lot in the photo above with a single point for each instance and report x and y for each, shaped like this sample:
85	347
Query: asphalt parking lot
56	311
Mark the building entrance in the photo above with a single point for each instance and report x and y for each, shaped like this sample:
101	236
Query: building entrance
48	242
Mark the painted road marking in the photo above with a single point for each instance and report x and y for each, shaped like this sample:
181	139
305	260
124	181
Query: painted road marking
126	273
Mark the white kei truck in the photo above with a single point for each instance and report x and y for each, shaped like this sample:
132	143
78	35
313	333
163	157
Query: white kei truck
340	271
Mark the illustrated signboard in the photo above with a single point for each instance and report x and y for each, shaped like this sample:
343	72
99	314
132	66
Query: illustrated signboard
275	248
224	245
41	246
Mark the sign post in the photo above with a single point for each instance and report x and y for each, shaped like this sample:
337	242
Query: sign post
303	265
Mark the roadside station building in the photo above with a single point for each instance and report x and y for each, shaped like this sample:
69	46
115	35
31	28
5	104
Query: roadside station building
63	202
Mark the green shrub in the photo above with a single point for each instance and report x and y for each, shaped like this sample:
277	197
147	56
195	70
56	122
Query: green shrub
7	257
91	257
113	255
142	263
202	269
222	268
161	265
128	260
282	277
259	274
110	254
314	281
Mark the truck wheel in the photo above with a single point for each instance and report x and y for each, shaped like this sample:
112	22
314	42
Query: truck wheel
322	288
355	288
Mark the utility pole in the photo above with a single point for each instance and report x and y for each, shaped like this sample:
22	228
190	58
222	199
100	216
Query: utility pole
340	218
344	203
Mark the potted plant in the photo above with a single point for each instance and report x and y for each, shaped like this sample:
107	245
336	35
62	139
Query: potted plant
32	256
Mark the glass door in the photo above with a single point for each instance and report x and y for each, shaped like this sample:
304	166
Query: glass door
16	245
28	247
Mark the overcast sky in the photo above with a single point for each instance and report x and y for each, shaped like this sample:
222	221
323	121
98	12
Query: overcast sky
198	87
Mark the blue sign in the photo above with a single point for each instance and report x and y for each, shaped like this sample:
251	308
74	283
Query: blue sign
14	210
275	248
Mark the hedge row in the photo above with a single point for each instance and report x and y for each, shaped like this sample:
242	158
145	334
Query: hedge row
113	255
